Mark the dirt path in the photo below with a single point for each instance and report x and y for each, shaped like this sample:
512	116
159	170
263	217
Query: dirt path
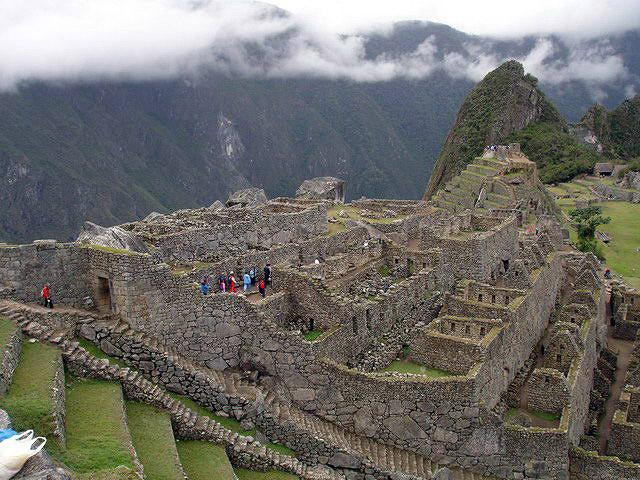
623	348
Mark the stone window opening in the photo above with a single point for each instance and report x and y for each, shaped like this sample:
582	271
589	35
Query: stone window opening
424	264
505	264
482	330
453	326
517	273
546	379
506	300
480	297
493	299
573	319
312	324
467	329
396	260
559	358
354	325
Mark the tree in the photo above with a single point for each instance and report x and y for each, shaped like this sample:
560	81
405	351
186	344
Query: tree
586	220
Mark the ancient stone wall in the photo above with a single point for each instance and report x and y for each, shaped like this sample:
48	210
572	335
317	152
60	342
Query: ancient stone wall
547	390
587	465
24	270
9	360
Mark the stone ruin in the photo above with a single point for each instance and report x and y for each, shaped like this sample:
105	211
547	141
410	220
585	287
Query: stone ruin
446	341
322	188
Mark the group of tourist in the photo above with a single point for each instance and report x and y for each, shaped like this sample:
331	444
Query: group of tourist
227	282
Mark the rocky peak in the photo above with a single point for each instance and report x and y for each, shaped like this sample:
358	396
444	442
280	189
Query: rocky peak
505	101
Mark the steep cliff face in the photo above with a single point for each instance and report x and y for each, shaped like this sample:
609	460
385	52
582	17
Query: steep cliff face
506	100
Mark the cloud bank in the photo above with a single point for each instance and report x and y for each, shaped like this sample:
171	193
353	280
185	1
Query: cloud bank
86	40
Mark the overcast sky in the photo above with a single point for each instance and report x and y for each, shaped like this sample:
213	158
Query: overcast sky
86	40
501	18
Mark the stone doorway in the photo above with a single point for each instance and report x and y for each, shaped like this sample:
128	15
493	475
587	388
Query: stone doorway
103	294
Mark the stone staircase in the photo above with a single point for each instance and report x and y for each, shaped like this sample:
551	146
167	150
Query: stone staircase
186	423
463	191
372	454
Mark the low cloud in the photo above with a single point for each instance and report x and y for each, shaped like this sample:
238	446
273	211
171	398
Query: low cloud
81	40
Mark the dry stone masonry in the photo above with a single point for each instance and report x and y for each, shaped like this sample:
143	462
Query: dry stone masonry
420	336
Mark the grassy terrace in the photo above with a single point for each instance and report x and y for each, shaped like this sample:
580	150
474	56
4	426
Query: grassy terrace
96	352
312	335
7	328
204	461
354	214
404	366
536	417
229	423
97	435
153	440
28	400
624	229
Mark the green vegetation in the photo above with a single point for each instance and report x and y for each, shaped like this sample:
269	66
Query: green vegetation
7	328
312	335
624	229
28	400
404	366
229	423
384	271
244	474
119	251
503	94
557	154
585	222
546	416
204	461
153	440
97	435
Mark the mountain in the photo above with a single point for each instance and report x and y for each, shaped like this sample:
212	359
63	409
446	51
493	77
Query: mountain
505	101
113	151
617	133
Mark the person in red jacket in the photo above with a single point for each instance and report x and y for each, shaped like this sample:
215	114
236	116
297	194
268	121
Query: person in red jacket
232	283
46	296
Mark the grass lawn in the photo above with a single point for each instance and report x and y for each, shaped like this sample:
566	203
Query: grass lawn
403	366
624	230
28	400
204	461
244	474
230	423
97	435
7	327
312	335
354	214
153	440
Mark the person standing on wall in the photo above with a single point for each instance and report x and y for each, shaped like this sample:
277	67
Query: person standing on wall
267	274
262	288
46	296
232	283
246	282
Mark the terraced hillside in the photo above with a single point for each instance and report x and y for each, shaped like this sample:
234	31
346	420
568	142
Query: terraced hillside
464	191
166	436
97	434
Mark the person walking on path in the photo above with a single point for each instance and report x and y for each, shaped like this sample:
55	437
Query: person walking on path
204	286
46	296
232	283
246	282
267	274
222	282
262	288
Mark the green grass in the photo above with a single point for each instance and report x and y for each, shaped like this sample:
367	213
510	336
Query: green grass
549	417
96	352
404	366
384	270
204	461
153	440
7	328
97	435
229	423
28	400
244	474
624	230
312	335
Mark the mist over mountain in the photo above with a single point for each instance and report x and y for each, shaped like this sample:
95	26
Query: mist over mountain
113	145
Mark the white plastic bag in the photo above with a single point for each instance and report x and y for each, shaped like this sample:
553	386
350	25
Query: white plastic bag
16	450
